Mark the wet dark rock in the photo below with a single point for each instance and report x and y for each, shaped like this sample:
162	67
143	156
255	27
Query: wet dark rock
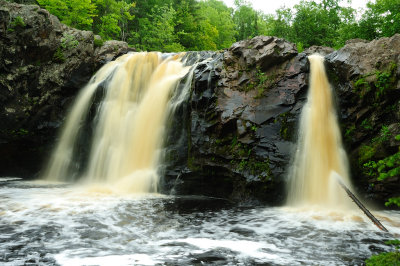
110	50
43	64
243	231
240	122
230	109
322	50
366	76
214	257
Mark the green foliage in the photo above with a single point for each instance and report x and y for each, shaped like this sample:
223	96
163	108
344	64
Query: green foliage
68	41
286	128
385	134
366	124
365	153
393	201
384	168
385	80
59	56
349	132
382	83
330	24
246	20
98	42
157	31
381	19
18	22
218	16
178	25
260	82
362	87
300	47
387	167
262	169
75	13
386	258
112	18
19	132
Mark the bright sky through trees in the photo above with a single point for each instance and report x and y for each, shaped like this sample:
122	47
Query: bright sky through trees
269	6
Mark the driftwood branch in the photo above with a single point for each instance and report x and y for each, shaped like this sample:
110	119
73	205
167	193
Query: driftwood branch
362	207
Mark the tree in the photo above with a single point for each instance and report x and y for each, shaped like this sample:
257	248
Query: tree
246	20
112	17
219	16
157	30
349	28
281	26
187	24
75	13
381	19
316	24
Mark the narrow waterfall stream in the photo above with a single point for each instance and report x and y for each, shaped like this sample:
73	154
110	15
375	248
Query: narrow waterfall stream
319	154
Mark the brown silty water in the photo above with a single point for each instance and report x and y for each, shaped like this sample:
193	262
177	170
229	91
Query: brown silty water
130	123
319	158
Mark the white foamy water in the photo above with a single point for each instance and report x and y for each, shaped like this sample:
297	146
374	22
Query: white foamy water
57	224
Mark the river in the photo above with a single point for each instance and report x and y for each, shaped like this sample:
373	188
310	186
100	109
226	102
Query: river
62	224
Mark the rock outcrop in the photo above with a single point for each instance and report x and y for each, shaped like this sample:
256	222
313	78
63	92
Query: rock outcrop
366	76
241	121
43	64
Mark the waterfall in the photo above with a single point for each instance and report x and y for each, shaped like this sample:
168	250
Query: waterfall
319	158
128	124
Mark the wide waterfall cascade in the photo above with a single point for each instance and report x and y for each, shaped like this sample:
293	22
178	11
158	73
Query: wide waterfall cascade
319	158
128	125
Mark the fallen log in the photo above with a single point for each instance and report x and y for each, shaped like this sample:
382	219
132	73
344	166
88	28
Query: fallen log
360	205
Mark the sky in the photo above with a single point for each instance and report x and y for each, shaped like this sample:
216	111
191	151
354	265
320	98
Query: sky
269	6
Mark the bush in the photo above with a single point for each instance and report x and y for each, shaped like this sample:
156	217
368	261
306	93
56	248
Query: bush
386	258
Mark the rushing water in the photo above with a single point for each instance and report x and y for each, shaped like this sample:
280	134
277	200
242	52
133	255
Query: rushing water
140	93
319	155
60	224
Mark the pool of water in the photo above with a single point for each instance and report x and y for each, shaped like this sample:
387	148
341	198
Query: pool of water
59	224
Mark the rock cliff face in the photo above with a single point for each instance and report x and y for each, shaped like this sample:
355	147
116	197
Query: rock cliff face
234	135
240	123
43	64
366	76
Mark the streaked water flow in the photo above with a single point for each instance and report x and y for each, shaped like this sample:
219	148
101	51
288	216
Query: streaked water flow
320	154
129	124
